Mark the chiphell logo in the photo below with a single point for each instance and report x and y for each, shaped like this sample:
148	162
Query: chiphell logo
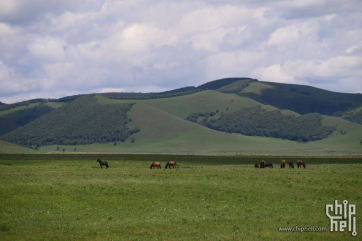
343	218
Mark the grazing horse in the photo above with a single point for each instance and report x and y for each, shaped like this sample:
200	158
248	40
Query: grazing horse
291	165
256	165
262	164
156	165
300	164
283	164
171	164
269	164
102	163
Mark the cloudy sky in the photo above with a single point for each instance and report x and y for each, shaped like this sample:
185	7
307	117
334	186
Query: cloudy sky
52	48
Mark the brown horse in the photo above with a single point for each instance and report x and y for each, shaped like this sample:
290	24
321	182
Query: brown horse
300	164
291	165
102	163
156	165
283	164
262	164
171	164
256	165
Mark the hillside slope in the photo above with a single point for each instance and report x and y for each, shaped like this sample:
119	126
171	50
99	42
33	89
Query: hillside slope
9	148
301	99
82	121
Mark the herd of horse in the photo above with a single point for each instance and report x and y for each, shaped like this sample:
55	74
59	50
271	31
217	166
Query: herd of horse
168	165
153	165
256	165
282	165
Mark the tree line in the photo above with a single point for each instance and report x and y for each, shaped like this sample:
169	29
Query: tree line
255	121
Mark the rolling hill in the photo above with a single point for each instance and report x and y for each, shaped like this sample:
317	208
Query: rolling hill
227	116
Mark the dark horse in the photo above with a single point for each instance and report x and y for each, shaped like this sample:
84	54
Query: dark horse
156	165
283	164
291	165
269	164
256	165
262	164
102	163
171	164
300	164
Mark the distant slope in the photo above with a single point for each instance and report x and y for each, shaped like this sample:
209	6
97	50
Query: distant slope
7	126
9	148
82	121
236	86
301	99
23	115
216	84
208	100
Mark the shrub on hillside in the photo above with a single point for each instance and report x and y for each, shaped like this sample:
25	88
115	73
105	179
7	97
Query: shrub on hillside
255	121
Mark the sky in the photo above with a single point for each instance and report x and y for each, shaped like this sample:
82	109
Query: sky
52	48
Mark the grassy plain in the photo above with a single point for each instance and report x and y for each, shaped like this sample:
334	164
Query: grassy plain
9	148
68	197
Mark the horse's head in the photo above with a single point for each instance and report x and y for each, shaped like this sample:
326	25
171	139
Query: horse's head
98	160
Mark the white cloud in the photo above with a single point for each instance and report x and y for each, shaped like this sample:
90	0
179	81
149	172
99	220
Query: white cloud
139	37
274	73
50	47
231	64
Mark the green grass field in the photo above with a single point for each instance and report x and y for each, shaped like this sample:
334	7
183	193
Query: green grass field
9	148
68	197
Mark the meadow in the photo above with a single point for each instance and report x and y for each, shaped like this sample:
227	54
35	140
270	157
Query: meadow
69	197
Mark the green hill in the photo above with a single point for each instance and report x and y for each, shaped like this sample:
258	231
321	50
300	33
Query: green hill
233	115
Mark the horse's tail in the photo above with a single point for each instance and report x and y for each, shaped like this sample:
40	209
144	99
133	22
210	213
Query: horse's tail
303	164
106	163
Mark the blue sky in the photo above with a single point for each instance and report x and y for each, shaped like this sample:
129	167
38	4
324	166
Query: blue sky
51	48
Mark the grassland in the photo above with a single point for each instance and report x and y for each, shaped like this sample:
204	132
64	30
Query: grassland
68	197
9	148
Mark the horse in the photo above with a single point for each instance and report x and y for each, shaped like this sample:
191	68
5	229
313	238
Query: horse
171	164
256	165
269	164
291	165
156	165
262	164
283	164
102	163
300	164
